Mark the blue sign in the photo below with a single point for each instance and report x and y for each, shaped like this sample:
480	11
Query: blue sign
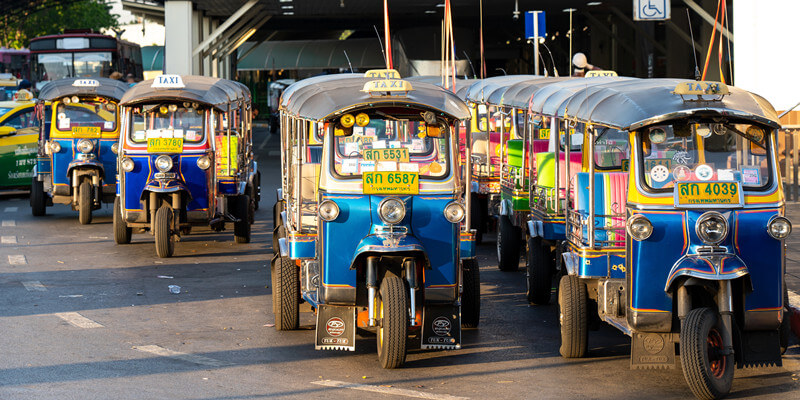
541	28
651	10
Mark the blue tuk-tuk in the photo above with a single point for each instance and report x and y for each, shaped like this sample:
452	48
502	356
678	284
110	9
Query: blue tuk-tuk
677	239
374	234
77	160
185	159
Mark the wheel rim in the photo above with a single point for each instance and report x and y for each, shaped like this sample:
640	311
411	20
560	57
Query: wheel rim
716	361
380	327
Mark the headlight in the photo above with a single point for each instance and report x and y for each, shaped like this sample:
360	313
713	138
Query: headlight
204	162
711	227
127	164
639	227
85	146
392	210
55	147
164	163
115	148
779	228
454	212
328	210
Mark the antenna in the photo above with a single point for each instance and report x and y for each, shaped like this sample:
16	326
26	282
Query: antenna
552	61
694	51
381	43
348	60
472	67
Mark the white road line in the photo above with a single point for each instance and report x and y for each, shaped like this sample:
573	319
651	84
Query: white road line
264	143
190	358
9	222
274	153
34	286
8	240
11	209
387	390
78	320
17	259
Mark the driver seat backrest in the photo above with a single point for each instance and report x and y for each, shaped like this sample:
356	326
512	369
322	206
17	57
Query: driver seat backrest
308	194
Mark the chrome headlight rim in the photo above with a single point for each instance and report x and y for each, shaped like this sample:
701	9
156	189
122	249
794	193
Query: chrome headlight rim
204	162
328	210
127	164
85	146
636	234
703	235
115	148
388	202
55	147
775	220
459	214
163	163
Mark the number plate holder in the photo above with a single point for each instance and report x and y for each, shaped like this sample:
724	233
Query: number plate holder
708	194
164	145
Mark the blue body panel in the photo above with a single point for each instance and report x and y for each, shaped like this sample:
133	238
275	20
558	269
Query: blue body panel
341	237
302	247
62	161
189	176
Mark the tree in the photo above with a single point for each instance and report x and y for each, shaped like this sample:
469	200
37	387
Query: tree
53	17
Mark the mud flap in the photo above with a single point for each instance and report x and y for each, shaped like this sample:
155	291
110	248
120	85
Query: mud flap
441	327
652	350
758	349
336	328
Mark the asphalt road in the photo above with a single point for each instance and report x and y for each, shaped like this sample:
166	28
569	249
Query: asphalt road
84	318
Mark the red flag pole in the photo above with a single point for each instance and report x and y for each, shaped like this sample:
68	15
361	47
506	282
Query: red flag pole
483	60
389	63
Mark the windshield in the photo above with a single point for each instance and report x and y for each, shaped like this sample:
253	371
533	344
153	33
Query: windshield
95	64
610	149
167	120
391	145
705	152
54	66
4	110
100	114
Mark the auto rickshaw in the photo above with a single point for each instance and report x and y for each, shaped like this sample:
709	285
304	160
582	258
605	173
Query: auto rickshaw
19	132
77	160
376	232
185	158
679	241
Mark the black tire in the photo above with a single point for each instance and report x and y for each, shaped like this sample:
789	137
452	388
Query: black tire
257	190
285	294
38	202
277	209
572	317
165	243
508	245
122	233
393	329
708	373
539	271
241	229
471	296
786	325
85	202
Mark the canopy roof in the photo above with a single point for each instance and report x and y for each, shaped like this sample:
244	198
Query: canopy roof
215	92
325	99
482	89
461	88
548	99
109	88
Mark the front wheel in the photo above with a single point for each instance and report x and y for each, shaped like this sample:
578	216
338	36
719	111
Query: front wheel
539	268
244	212
85	202
285	293
471	296
508	245
165	243
706	369
393	331
573	317
122	233
38	202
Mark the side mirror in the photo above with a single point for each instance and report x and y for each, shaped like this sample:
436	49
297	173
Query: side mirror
7	131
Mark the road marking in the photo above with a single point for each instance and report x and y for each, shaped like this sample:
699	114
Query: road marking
387	390
9	222
78	320
274	153
190	358
98	237
264	143
17	259
34	286
8	240
11	209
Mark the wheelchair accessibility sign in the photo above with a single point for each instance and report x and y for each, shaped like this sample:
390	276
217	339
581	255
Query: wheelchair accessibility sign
651	10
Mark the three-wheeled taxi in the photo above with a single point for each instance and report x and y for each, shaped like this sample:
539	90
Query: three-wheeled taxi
375	230
678	239
77	160
185	158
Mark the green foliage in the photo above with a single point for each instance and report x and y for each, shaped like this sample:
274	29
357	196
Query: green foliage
54	18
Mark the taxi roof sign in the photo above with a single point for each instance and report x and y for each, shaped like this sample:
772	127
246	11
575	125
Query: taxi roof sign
382	74
387	85
168	82
86	83
701	88
596	73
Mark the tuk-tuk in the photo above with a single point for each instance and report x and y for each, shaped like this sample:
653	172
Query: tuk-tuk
77	160
679	238
375	232
185	158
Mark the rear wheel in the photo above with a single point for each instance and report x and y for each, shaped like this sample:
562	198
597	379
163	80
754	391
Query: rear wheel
539	268
165	243
38	202
122	233
257	192
708	372
572	317
471	296
85	202
285	293
785	328
508	245
244	211
393	331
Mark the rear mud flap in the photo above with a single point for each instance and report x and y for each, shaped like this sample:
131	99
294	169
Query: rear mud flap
441	327
652	351
758	349
336	328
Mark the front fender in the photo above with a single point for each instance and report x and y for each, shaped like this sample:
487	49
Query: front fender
86	164
716	267
166	186
382	244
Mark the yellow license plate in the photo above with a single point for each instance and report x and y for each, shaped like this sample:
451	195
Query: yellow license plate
708	193
384	182
83	131
164	145
400	155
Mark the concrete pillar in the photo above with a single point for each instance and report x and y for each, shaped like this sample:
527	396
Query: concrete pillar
178	38
205	62
197	27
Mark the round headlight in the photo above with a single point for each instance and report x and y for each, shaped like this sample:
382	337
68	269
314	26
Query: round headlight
328	210
55	147
127	164
115	148
204	162
712	227
392	210
164	163
76	99
639	227
779	228
454	212
85	146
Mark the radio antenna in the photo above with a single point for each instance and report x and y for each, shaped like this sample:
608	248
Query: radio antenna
694	51
348	60
381	43
472	67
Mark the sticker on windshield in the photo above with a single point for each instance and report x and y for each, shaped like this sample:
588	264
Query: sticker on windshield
751	176
704	172
379	144
63	123
681	173
350	149
658	135
395	144
350	166
435	168
681	157
386	166
62	115
108	125
367	166
408	167
725	174
659	173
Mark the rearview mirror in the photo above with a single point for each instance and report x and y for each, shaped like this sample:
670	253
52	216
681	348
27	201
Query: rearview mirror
757	150
7	131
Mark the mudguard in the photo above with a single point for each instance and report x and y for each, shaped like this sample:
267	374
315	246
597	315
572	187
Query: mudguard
392	243
715	267
90	163
166	186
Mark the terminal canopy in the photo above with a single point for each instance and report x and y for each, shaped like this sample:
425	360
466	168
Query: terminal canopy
108	88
